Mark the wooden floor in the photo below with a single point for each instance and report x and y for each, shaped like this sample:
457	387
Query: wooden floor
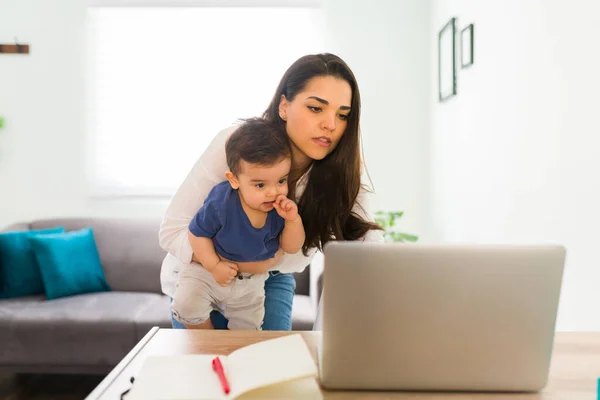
47	387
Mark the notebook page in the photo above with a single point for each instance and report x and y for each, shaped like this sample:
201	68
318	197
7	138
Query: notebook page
273	361
184	377
301	389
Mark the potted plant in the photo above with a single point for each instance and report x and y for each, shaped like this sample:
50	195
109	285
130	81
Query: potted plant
387	220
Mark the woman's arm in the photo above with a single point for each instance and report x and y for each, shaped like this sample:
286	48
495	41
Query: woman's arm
208	171
295	262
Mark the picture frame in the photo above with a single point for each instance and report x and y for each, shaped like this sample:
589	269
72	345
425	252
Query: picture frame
467	39
447	61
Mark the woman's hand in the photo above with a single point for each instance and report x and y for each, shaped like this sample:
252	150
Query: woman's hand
286	208
224	272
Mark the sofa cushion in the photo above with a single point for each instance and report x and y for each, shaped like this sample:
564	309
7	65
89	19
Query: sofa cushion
129	251
89	330
19	270
69	263
303	281
303	313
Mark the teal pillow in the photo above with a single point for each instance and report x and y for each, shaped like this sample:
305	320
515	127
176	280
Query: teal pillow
19	272
69	263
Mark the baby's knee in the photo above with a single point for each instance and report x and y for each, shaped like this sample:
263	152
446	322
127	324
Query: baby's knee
188	312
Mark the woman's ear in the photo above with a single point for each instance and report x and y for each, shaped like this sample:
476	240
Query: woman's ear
283	106
232	180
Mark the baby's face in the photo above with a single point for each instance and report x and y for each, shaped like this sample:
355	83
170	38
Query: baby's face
259	185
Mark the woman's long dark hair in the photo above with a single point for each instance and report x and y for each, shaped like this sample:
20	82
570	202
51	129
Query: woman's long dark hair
334	182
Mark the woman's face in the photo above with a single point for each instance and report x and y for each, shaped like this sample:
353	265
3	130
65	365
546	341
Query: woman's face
316	118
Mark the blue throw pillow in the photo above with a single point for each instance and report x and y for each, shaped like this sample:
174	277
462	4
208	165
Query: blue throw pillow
69	263
19	272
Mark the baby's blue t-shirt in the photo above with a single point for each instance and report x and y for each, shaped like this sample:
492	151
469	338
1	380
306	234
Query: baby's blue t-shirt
223	219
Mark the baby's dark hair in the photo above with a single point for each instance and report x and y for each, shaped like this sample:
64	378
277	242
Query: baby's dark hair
257	141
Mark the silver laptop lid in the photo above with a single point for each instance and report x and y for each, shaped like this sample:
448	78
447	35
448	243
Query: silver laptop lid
439	317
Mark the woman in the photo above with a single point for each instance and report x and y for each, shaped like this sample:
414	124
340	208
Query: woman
318	103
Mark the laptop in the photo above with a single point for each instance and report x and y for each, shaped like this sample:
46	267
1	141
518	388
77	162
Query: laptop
438	317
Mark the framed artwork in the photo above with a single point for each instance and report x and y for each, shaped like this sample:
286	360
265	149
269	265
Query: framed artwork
467	36
447	61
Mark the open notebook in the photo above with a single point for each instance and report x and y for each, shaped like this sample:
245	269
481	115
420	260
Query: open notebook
281	368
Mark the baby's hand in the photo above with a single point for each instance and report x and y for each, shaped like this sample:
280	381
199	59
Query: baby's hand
224	272
286	208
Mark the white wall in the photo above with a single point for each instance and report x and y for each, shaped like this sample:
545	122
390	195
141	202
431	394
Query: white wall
515	153
386	43
42	97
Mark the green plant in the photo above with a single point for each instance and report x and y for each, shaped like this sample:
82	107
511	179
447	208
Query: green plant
387	220
1	122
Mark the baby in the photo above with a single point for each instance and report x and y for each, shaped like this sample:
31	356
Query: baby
240	231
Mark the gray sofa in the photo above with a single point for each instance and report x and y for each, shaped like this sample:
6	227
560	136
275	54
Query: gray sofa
91	333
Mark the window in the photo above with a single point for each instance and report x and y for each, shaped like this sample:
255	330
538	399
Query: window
163	81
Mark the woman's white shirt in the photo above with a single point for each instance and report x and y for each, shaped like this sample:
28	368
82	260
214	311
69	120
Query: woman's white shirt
208	171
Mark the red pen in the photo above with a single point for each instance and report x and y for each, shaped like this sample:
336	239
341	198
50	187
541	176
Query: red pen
218	368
